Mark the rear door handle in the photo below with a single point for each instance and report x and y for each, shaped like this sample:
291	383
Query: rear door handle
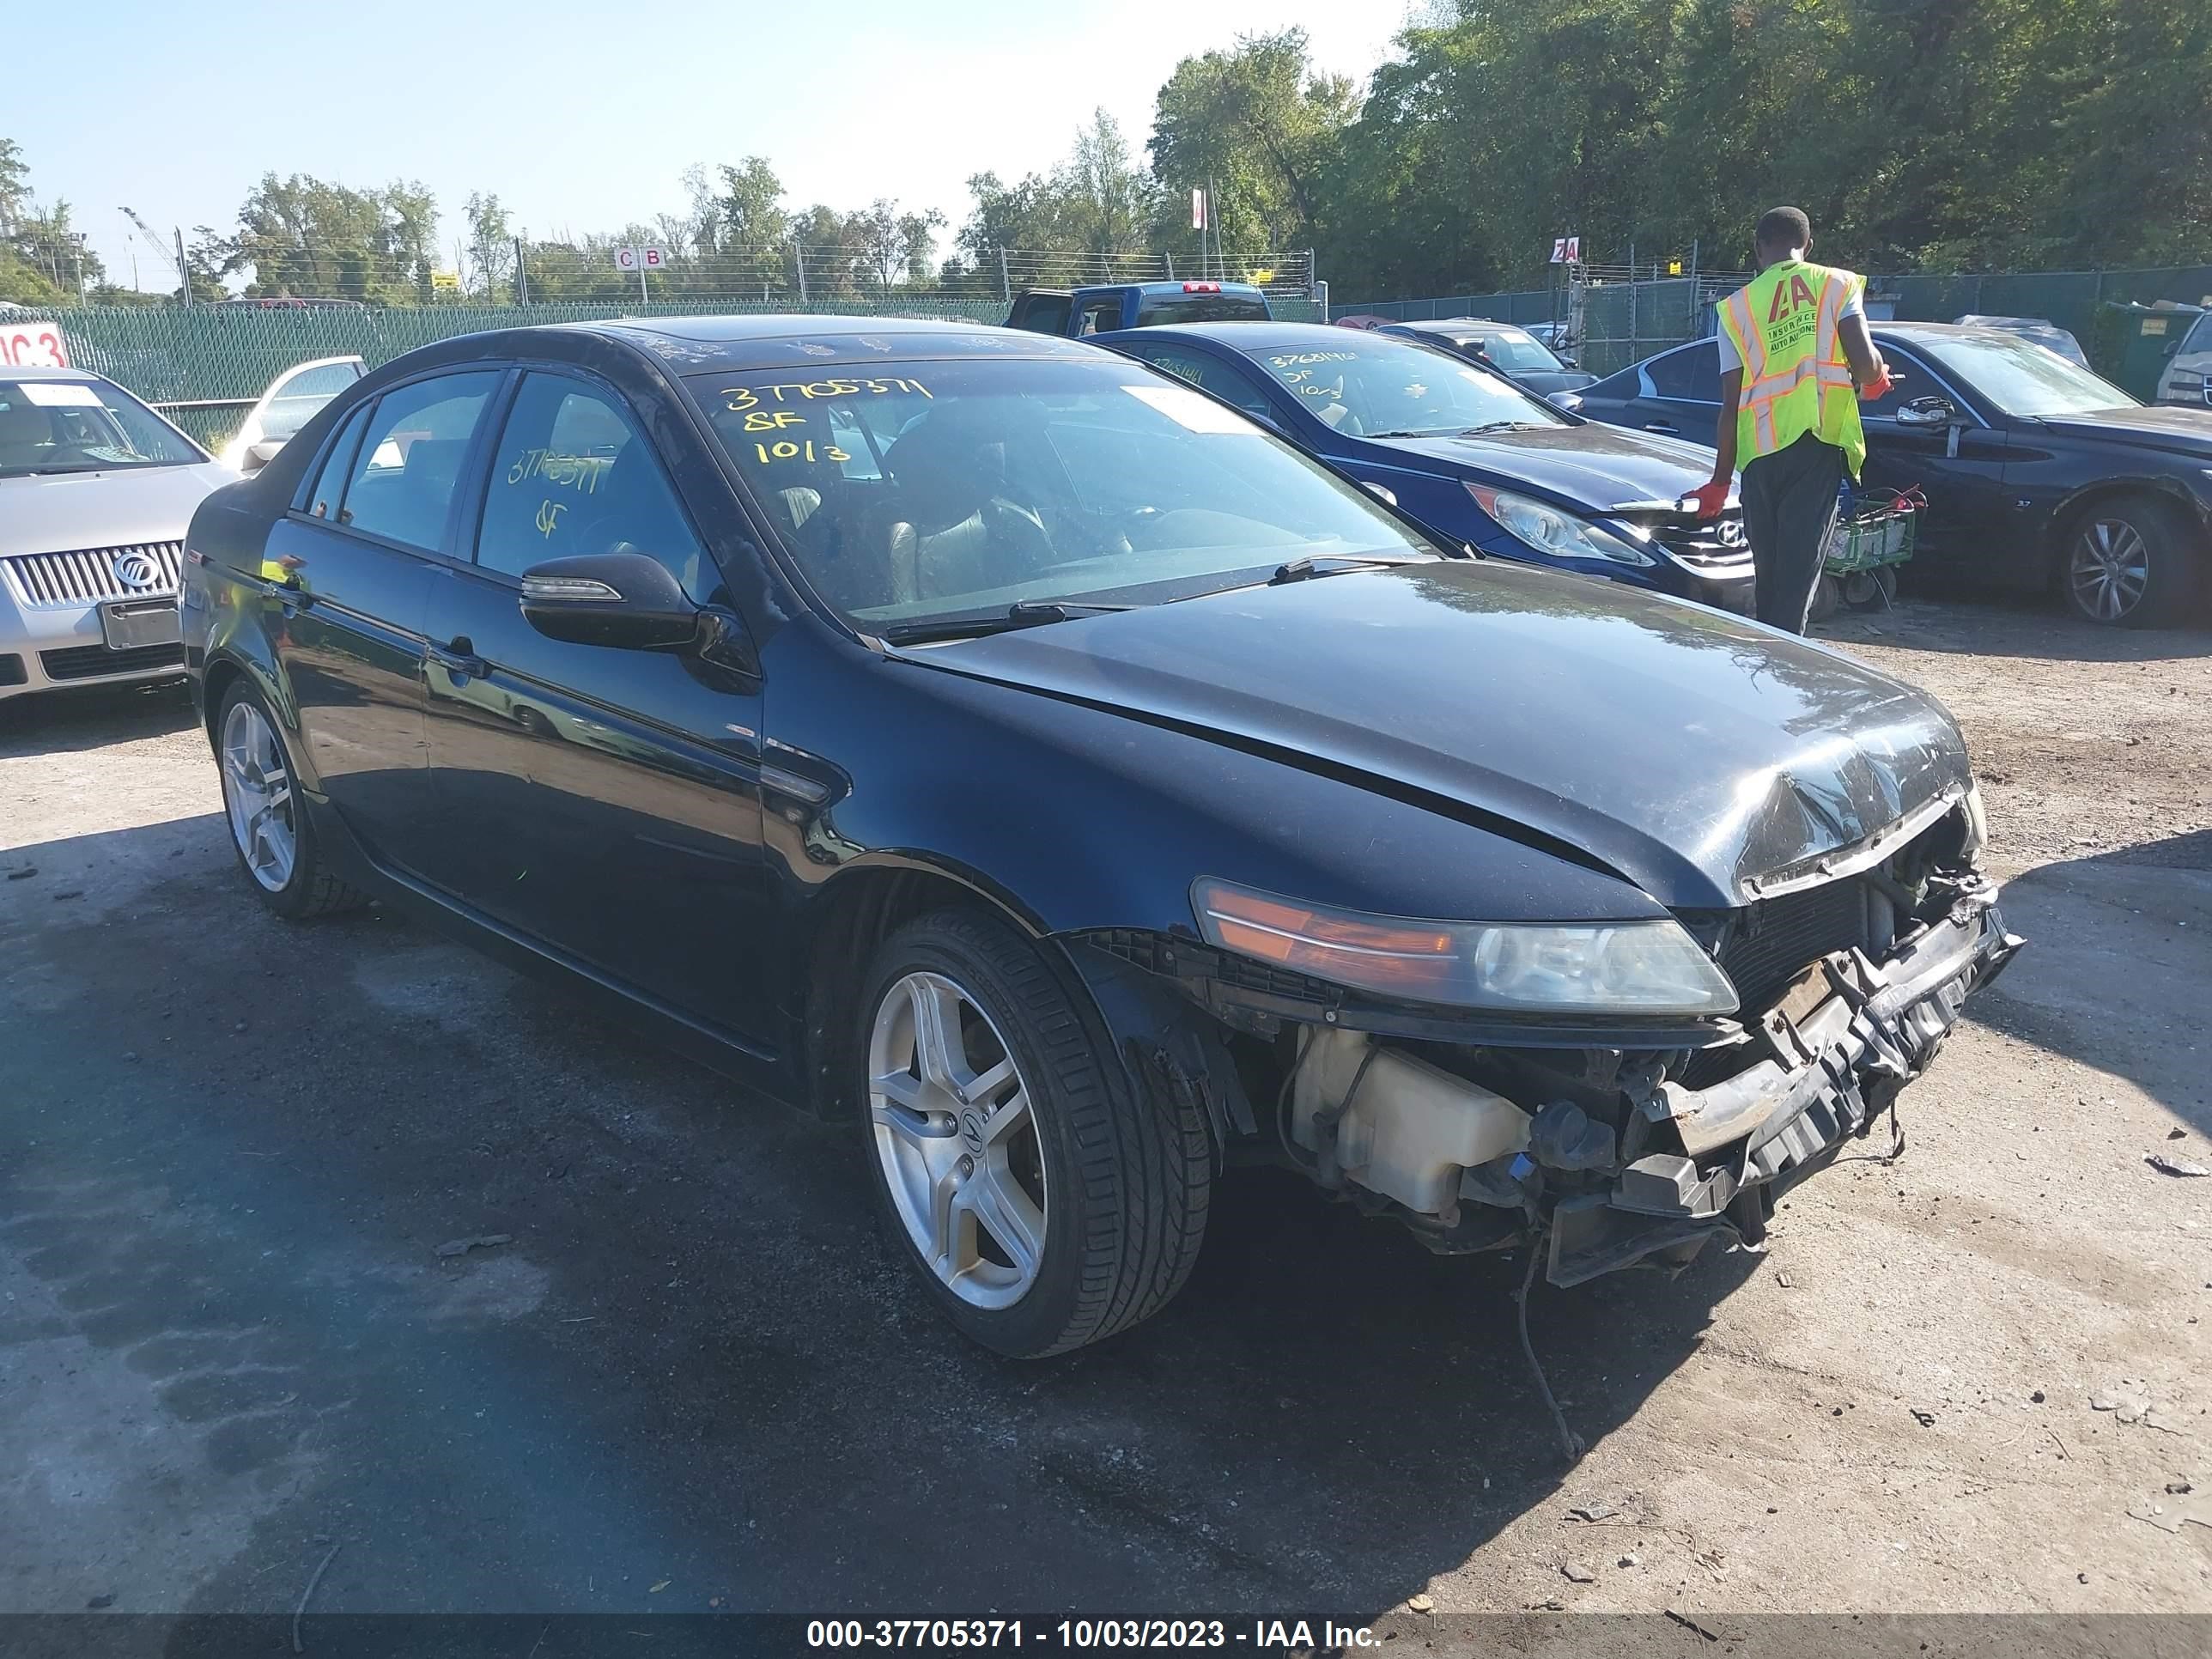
1666	427
459	656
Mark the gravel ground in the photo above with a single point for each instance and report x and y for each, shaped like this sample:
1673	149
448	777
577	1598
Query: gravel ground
229	1149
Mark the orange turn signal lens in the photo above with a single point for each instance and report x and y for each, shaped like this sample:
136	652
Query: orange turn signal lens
1375	953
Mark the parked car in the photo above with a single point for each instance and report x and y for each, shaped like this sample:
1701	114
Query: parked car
1513	352
1470	454
285	407
2187	377
2039	475
1031	763
96	491
1080	312
2041	329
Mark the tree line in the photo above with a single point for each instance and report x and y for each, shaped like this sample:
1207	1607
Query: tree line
1920	135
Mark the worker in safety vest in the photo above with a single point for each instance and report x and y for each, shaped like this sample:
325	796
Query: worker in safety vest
1796	358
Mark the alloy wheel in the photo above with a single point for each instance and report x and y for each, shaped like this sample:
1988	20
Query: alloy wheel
256	794
2110	569
953	1128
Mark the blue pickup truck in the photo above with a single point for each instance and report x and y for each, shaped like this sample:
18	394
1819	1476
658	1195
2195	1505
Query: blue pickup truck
1084	311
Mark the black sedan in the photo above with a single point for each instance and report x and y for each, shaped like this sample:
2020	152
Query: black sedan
2039	474
987	743
1513	352
1472	456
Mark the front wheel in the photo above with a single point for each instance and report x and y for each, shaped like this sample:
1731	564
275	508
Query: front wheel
270	828
1042	1204
2128	563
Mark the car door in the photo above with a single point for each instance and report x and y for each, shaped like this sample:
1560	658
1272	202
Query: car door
348	572
601	802
1928	433
1681	394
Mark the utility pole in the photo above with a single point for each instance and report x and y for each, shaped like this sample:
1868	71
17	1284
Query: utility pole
184	269
1213	219
80	267
522	276
1006	282
798	263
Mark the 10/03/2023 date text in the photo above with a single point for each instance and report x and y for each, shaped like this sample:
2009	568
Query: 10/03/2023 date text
1086	1633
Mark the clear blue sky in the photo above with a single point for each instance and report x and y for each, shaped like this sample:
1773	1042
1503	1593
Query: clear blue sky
583	117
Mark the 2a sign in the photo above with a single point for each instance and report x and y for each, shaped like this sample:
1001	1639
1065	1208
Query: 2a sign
32	345
1566	250
641	258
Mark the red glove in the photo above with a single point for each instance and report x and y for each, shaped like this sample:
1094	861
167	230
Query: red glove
1879	386
1710	498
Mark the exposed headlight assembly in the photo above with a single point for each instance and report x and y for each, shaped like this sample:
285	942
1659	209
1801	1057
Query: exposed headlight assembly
1550	530
1531	968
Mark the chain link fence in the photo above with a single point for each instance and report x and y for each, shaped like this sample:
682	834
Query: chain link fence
204	366
1608	318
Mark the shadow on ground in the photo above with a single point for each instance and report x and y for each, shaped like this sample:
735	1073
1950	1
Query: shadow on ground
696	1364
2118	971
1932	619
69	722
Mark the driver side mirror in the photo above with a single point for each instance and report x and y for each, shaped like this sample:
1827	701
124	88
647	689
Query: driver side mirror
1927	412
625	600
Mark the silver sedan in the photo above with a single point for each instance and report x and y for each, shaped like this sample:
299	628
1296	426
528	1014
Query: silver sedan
96	492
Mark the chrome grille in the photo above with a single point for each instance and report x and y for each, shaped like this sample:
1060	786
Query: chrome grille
53	581
1711	545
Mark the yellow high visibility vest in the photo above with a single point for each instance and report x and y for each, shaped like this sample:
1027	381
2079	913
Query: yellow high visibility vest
1786	325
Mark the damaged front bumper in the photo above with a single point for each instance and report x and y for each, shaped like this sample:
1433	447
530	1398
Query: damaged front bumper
1848	1036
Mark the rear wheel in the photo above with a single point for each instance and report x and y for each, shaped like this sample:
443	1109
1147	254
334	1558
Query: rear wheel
1042	1207
2128	564
270	829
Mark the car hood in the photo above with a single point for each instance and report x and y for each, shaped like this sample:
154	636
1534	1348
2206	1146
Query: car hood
2160	426
1707	759
64	510
1592	466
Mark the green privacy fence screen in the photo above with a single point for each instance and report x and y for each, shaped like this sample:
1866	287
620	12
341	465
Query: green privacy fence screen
205	365
1623	322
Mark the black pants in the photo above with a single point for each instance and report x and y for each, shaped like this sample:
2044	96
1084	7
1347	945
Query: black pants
1789	513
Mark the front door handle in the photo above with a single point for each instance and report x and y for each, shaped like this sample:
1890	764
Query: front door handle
1665	428
457	656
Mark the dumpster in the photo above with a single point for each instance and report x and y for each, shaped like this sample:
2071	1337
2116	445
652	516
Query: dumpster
2133	342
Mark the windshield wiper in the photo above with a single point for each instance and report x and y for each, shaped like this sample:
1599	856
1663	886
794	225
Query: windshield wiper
1022	613
1497	426
1310	565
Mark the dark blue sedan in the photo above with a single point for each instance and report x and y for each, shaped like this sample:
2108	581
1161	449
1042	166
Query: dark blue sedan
1468	453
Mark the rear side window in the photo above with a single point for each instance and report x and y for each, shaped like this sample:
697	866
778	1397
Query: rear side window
574	475
1693	372
402	482
329	482
1230	384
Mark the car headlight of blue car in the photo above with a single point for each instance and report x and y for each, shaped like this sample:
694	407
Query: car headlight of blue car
1553	530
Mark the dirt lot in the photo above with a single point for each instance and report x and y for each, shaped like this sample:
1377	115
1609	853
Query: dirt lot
229	1149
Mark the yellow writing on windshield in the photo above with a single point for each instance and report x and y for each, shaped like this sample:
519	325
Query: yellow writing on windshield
1291	359
790	451
549	516
739	398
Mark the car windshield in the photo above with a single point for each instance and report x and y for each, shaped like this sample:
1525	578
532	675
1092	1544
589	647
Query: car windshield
922	492
1514	351
1374	386
2021	378
81	426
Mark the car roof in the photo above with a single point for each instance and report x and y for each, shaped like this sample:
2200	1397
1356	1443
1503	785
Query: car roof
784	339
1464	326
1253	336
41	371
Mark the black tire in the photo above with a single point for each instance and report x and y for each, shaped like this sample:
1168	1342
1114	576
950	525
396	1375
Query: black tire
1127	1177
1827	599
2150	581
309	890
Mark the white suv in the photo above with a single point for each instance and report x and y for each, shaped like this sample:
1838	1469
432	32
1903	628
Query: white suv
95	493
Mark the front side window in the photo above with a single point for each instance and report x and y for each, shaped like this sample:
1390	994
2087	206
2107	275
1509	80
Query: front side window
574	475
82	426
913	493
1373	386
2023	379
409	461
